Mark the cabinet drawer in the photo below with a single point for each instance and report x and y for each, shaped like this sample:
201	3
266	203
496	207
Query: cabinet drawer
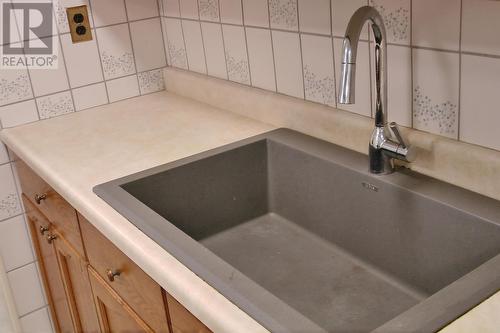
182	320
57	210
134	286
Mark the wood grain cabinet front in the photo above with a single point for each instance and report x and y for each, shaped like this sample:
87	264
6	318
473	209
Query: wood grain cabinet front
90	284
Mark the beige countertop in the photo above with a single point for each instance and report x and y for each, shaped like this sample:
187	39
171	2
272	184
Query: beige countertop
78	151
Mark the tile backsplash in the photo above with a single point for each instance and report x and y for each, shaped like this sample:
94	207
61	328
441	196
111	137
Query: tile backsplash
443	56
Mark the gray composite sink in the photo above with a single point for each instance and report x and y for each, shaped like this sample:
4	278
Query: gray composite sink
297	233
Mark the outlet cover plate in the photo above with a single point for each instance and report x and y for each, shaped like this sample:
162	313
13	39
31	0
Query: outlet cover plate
77	26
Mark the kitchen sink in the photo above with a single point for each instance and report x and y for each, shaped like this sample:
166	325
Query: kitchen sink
297	233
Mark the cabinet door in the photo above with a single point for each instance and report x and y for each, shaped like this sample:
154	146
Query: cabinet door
40	229
74	274
115	315
182	320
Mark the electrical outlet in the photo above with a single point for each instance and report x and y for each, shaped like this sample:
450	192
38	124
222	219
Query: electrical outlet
79	26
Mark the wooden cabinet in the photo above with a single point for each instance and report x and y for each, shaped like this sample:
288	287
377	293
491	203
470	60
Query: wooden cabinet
91	285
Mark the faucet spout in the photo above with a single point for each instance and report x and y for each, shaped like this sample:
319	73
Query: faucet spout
382	148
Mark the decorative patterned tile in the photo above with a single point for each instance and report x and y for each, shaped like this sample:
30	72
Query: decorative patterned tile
214	49
435	92
151	81
314	16
283	14
175	44
194	46
55	105
9	200
319	78
436	24
209	10
14	86
231	11
256	13
396	16
479	116
115	47
260	54
236	54
286	46
147	40
18	114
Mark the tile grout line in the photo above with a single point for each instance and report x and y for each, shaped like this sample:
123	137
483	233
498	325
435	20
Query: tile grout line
333	55
272	45
301	53
132	45
182	32
99	51
246	44
163	28
459	111
203	39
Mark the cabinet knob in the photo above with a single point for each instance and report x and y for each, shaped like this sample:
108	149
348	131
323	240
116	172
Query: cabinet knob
43	229
40	197
111	274
50	238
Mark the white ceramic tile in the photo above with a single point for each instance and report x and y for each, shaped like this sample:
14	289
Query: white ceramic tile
55	105
82	61
256	13
47	81
9	200
137	10
90	96
26	289
319	77
194	46
236	54
283	14
479	116
214	49
209	10
399	85
171	8
15	247
18	114
342	11
35	19
106	12
151	81
37	322
115	48
165	38
125	87
14	86
61	17
175	44
231	11
189	9
362	103
396	16
260	54
4	156
147	40
314	16
435	92
480	26
436	24
287	55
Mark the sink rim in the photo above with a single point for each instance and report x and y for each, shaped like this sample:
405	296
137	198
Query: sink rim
432	313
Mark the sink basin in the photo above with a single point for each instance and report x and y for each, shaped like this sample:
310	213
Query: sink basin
297	233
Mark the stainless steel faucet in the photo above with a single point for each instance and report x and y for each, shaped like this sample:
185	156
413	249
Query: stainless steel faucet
382	148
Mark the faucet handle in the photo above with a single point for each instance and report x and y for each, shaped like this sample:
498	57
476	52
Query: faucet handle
395	129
